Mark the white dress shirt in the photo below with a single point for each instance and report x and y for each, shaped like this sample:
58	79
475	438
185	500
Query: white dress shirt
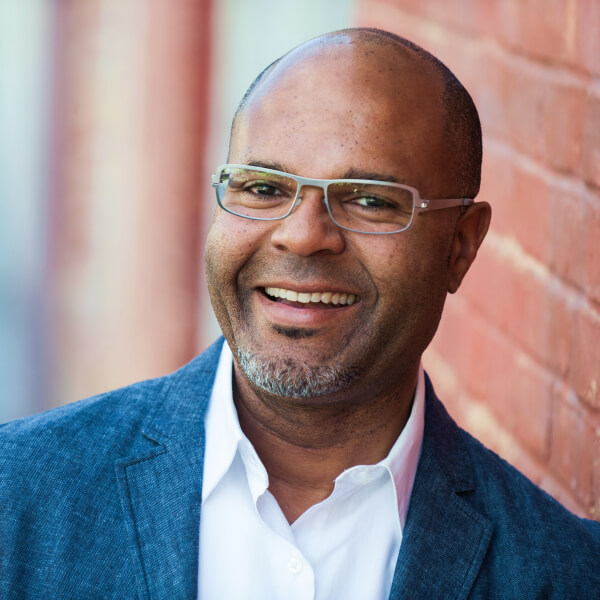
343	547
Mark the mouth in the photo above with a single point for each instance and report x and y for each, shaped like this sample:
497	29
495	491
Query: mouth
295	297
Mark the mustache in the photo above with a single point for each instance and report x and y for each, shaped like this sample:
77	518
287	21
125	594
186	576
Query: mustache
302	269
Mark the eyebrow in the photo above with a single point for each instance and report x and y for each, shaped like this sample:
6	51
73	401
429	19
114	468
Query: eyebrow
352	173
266	164
375	176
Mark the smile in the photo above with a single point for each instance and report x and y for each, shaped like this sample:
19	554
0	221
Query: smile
340	299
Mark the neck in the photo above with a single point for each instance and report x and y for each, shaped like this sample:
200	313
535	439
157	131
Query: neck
305	444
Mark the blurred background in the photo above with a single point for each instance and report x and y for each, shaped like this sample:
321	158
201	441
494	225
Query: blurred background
114	114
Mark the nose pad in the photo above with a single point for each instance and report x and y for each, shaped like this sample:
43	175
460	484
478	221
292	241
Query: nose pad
300	197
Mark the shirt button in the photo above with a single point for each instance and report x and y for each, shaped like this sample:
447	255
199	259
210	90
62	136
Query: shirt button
294	566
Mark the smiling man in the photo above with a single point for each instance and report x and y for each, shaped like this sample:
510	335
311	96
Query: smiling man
306	456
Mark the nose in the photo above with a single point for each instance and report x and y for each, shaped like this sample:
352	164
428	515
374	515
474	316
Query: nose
309	229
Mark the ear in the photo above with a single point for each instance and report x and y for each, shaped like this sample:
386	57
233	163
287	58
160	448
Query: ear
468	235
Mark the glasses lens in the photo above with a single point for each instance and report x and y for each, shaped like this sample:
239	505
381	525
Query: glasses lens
254	193
370	207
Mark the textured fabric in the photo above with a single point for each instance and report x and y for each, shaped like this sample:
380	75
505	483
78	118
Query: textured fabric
101	499
355	531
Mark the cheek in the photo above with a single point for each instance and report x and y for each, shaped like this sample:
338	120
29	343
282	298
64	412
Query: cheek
223	258
393	263
229	243
411	275
216	257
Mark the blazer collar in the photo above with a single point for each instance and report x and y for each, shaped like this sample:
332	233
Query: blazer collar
161	483
445	540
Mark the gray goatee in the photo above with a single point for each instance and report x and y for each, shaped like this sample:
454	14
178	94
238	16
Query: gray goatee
293	379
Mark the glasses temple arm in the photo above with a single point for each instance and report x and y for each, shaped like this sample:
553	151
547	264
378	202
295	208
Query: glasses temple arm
436	204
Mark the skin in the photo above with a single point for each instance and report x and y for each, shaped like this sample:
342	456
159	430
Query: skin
332	110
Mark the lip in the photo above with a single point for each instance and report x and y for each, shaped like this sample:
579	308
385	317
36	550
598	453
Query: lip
312	315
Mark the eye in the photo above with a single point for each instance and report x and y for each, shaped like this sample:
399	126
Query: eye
372	202
261	188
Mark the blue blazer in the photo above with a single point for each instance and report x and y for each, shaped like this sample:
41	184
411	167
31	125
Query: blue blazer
101	499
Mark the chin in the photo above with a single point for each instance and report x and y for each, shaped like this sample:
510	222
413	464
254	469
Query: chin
292	378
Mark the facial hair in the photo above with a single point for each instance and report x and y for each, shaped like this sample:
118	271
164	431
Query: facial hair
290	378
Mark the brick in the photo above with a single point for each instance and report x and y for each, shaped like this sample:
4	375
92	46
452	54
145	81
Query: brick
572	446
585	355
545	115
592	254
483	424
448	339
544	320
509	23
490	93
587	40
548	28
522	299
551	221
525	109
520	394
569	235
543	29
484	285
531	403
554	220
590	155
563	125
464	15
467	346
531	212
496	372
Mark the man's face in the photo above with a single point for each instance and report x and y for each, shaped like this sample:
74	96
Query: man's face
343	111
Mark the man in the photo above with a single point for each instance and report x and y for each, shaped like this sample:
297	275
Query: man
306	457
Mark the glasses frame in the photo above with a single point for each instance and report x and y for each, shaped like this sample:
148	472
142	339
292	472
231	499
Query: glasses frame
419	204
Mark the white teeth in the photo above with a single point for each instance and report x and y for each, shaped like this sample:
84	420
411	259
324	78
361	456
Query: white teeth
340	299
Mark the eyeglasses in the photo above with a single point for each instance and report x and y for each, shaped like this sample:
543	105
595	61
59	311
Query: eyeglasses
359	205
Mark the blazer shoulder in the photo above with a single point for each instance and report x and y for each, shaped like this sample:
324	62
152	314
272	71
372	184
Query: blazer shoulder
100	415
111	421
539	542
530	525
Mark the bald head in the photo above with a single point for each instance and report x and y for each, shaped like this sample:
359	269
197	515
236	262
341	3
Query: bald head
386	73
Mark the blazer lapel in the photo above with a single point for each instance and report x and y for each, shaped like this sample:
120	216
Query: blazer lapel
161	485
445	540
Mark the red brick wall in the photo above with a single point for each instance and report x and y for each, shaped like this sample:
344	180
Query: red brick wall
517	357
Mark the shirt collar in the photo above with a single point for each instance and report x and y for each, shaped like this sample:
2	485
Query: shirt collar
403	458
223	431
224	436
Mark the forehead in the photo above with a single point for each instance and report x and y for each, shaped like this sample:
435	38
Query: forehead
332	107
